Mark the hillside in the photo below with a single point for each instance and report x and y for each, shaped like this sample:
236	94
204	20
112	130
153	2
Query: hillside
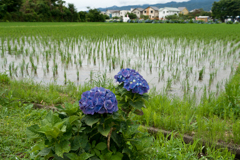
190	5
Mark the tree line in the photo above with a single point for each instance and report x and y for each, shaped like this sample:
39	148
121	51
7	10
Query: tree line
46	11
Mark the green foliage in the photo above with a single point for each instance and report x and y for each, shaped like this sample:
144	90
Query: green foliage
225	8
45	11
131	15
68	133
4	79
172	17
130	102
145	17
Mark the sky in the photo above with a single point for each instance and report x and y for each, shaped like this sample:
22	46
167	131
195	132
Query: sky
82	5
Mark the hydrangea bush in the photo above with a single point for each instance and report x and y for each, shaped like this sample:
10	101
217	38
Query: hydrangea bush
95	128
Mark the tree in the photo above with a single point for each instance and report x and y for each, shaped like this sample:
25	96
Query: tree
94	15
131	15
11	5
225	8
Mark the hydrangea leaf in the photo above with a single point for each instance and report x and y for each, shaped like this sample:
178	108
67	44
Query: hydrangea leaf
32	132
104	131
137	104
44	152
101	146
85	156
117	156
71	109
90	120
117	138
79	141
62	147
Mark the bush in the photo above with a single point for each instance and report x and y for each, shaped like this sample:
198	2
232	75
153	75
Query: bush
229	22
101	132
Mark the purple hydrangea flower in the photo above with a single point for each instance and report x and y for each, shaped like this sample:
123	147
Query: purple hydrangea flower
132	80
98	100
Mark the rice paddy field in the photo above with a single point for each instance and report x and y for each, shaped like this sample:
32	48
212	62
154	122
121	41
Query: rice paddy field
192	71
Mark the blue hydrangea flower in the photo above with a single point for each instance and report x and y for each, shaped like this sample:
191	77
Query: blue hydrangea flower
132	80
98	100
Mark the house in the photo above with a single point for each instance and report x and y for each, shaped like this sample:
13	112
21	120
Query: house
183	10
167	11
124	12
194	10
152	12
203	18
113	13
138	12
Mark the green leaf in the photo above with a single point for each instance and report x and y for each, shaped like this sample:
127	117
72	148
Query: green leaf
97	152
32	132
51	118
137	104
73	119
85	156
38	146
127	151
79	141
44	152
117	138
116	157
62	147
104	131
71	109
59	107
72	156
108	155
50	132
101	146
90	120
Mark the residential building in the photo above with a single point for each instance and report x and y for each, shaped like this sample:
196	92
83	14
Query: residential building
183	10
124	12
113	13
167	11
203	18
138	12
152	12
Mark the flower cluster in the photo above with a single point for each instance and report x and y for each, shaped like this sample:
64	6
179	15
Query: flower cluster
132	81
98	100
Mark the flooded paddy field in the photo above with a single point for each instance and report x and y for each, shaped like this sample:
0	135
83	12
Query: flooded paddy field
175	65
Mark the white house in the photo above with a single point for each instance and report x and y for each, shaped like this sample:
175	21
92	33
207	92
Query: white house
167	11
113	13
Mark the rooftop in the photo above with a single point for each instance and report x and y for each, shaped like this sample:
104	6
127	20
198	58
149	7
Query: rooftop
170	9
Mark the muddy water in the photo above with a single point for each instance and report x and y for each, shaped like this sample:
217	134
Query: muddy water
172	63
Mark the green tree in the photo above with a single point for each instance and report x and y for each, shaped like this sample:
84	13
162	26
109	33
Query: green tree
10	5
131	15
94	15
225	8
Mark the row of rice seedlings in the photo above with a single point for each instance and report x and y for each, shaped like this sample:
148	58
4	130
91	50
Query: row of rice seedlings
157	54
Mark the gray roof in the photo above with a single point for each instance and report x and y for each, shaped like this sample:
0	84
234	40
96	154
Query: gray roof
155	8
140	9
181	8
170	9
111	11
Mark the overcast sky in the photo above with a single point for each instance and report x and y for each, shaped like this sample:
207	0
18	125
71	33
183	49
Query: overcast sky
82	5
